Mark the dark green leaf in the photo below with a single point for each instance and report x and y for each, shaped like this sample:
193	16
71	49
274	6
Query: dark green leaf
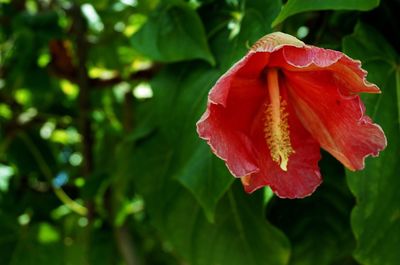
254	24
206	176
174	33
376	218
183	91
8	237
297	6
239	235
318	226
31	251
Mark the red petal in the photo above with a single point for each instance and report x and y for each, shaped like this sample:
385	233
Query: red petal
303	175
247	69
335	120
233	102
229	144
344	69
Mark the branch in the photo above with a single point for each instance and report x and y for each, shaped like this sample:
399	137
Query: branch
147	74
61	65
78	31
71	204
126	246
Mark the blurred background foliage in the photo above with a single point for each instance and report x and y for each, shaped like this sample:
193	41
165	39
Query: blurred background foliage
100	162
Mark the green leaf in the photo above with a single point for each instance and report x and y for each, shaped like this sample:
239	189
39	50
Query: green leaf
8	237
240	235
254	24
376	218
293	7
30	250
103	251
86	243
173	33
318	226
183	91
206	177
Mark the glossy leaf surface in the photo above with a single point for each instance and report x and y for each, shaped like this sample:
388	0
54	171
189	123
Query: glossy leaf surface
375	187
293	7
173	33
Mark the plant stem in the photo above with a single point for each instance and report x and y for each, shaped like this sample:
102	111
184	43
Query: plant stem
61	195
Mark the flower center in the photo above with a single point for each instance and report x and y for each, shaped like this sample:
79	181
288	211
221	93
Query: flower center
276	126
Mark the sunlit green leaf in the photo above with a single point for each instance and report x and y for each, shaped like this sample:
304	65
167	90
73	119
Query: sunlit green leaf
6	172
47	234
293	7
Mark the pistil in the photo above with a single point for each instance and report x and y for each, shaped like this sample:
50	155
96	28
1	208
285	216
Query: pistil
276	126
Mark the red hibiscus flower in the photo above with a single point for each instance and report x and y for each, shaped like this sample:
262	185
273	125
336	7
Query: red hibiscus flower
268	116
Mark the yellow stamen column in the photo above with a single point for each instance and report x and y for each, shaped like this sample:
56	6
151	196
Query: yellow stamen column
276	125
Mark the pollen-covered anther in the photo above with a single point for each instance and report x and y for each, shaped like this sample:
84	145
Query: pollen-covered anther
276	126
277	135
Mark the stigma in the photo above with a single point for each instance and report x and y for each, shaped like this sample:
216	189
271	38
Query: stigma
276	126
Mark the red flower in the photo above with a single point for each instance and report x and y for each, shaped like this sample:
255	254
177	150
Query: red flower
268	116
